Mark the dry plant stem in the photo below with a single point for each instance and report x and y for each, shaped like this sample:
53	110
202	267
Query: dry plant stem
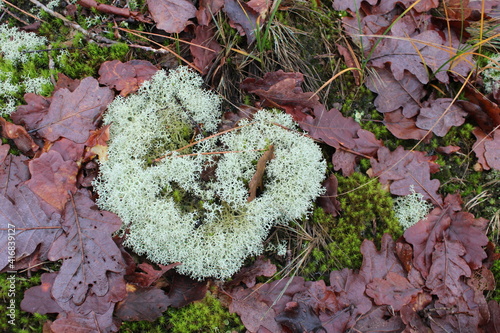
22	11
196	142
74	25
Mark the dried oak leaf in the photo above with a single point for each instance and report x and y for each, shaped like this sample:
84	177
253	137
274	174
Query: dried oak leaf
493	325
243	18
379	319
328	201
404	128
471	233
439	116
33	113
377	264
87	250
69	150
52	178
171	15
394	290
354	6
74	114
142	303
479	147
149	275
402	169
425	235
487	149
13	171
90	323
184	290
207	9
97	144
38	299
203	57
247	275
281	89
254	313
126	77
24	219
393	94
65	82
19	135
299	317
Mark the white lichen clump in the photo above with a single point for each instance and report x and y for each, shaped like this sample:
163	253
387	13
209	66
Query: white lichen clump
191	206
13	42
491	75
411	208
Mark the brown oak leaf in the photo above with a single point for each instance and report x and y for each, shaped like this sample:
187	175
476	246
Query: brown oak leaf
74	114
247	275
206	9
24	220
439	116
171	15
394	290
13	171
243	18
142	303
38	299
447	268
33	113
52	178
126	77
87	250
203	57
19	135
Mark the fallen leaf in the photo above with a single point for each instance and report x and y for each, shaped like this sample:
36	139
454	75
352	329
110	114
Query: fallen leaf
247	275
202	57
207	9
74	114
394	290
33	113
299	317
184	290
492	151
404	128
328	201
393	94
77	323
23	220
142	303
19	135
494	325
257	179
38	299
52	178
448	150
126	77
149	275
87	250
439	116
13	171
171	15
379	319
242	17
447	268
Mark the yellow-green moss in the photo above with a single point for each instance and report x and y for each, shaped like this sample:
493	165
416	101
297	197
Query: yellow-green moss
367	213
207	315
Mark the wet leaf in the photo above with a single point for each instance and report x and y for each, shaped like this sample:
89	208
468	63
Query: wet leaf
126	77
394	290
204	58
53	178
22	139
247	275
38	299
242	17
171	15
439	116
74	114
142	303
299	317
87	250
25	221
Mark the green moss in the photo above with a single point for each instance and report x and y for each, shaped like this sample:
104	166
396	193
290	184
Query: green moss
207	315
367	213
23	321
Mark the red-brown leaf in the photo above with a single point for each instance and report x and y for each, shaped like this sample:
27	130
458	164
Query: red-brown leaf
38	299
142	303
24	219
242	17
126	77
13	171
33	113
184	290
52	178
439	116
171	15
87	249
74	114
206	9
20	136
149	275
202	57
394	290
247	275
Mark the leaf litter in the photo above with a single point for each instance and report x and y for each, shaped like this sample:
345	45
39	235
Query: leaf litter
402	286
